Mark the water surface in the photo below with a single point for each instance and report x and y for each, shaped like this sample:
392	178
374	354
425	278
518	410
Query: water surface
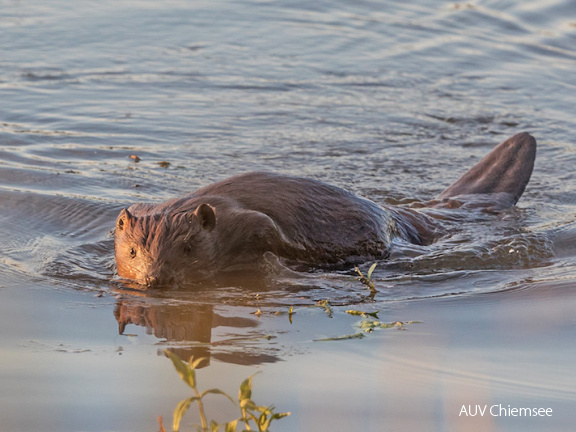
392	101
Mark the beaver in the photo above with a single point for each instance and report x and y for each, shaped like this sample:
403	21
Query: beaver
232	224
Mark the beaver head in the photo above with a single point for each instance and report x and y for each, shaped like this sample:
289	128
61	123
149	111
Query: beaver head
159	248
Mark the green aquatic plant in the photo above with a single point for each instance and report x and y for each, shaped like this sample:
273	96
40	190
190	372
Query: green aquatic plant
326	305
290	313
252	416
369	325
362	313
367	280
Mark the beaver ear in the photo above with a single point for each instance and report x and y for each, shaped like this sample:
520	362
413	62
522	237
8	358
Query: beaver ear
206	214
123	220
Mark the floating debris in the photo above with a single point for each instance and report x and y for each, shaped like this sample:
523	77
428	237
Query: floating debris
345	337
164	164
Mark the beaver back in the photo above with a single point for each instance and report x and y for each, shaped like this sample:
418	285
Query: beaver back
232	223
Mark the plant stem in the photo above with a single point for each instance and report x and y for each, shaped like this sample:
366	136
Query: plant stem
246	419
201	410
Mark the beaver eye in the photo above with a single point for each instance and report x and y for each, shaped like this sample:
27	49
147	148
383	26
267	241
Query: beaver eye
188	249
132	252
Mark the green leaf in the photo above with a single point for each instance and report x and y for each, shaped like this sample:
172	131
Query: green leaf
355	312
195	363
278	416
187	374
369	325
231	426
268	416
248	404
264	412
246	389
362	313
181	410
370	270
214	427
264	424
216	391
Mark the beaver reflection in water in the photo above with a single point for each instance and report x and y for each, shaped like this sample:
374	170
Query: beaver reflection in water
232	224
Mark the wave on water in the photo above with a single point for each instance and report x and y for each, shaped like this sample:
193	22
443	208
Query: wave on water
57	239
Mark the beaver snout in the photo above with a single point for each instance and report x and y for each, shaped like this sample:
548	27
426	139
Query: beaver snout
151	281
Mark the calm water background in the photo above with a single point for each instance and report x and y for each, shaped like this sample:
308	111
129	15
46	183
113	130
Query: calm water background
390	100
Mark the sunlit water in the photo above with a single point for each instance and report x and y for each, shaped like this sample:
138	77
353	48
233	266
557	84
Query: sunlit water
393	101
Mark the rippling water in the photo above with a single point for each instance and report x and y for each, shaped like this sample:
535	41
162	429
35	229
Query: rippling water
393	101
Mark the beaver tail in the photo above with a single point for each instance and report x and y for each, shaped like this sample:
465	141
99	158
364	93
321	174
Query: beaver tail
506	169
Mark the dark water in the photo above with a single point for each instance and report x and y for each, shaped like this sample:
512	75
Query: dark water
393	101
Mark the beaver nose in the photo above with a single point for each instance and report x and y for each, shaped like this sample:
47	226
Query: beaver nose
151	281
